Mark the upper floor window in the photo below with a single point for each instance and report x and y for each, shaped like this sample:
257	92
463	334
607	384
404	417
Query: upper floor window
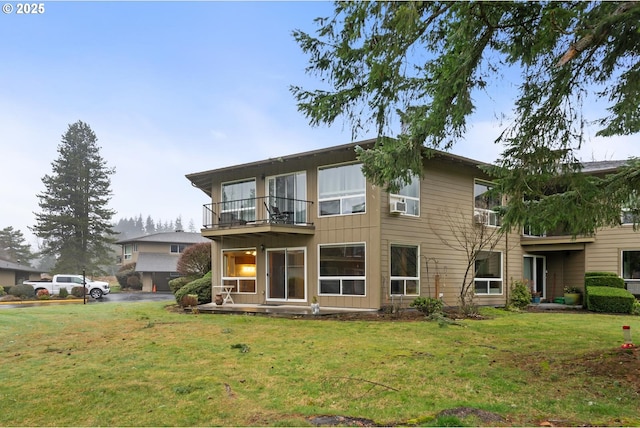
485	204
129	249
630	213
238	201
404	270
178	248
341	190
409	198
342	269
488	272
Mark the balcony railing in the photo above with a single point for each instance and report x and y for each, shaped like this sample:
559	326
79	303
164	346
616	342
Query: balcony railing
261	210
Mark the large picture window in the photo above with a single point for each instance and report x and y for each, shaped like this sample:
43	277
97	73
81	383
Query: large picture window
485	204
341	190
631	265
238	201
342	269
404	270
239	270
488	273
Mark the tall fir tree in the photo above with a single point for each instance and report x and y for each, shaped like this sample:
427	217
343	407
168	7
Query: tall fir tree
75	222
13	247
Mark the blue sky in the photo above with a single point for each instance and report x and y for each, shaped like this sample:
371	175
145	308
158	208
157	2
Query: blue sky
170	88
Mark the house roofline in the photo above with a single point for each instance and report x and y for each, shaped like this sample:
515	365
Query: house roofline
202	179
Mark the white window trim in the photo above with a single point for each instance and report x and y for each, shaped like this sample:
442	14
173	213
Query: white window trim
501	279
405	278
340	198
485	216
237	278
341	278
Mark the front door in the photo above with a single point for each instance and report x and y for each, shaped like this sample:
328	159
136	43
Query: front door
534	270
286	274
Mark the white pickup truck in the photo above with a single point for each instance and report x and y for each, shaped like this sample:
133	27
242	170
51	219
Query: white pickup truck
95	289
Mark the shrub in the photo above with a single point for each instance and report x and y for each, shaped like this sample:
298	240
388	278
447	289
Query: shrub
24	291
610	299
7	289
195	261
201	287
78	291
2	292
520	296
189	300
63	293
177	283
635	310
595	273
125	272
604	281
427	305
43	294
133	281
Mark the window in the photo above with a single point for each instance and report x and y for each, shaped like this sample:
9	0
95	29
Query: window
410	195
129	249
288	194
630	213
485	204
178	248
342	269
239	270
404	270
341	190
238	201
488	272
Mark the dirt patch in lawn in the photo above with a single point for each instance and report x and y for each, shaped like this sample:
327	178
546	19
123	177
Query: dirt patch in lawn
622	365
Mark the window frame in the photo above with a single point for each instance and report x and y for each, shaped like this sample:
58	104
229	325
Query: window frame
404	279
488	279
235	280
244	212
415	180
488	216
179	248
342	195
343	278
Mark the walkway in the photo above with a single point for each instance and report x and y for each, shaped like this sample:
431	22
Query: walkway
281	310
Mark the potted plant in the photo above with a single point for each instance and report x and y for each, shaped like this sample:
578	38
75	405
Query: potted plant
572	296
315	306
535	296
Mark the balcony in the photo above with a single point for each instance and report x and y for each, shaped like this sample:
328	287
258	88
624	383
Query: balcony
257	216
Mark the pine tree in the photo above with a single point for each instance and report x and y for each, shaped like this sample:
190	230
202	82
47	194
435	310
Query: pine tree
75	222
424	64
13	247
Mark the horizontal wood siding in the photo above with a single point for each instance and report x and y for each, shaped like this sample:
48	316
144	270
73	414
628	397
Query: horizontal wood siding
605	253
446	199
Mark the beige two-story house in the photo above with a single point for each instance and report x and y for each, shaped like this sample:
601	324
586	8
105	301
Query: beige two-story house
285	230
156	256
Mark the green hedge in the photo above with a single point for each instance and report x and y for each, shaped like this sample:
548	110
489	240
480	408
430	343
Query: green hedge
604	281
201	287
610	299
24	291
594	273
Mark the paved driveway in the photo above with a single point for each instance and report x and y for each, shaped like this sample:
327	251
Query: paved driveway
109	298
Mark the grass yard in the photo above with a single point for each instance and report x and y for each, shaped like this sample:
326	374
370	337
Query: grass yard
140	364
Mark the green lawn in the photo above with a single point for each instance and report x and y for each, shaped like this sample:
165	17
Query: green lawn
139	364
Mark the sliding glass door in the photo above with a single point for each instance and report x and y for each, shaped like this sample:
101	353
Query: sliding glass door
286	274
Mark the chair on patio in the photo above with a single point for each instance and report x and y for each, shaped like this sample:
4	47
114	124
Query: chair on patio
275	215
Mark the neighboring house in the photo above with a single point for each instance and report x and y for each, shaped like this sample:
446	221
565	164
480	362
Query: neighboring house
287	229
156	256
14	273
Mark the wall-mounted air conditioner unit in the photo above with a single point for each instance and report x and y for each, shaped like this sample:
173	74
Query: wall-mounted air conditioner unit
398	207
480	218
